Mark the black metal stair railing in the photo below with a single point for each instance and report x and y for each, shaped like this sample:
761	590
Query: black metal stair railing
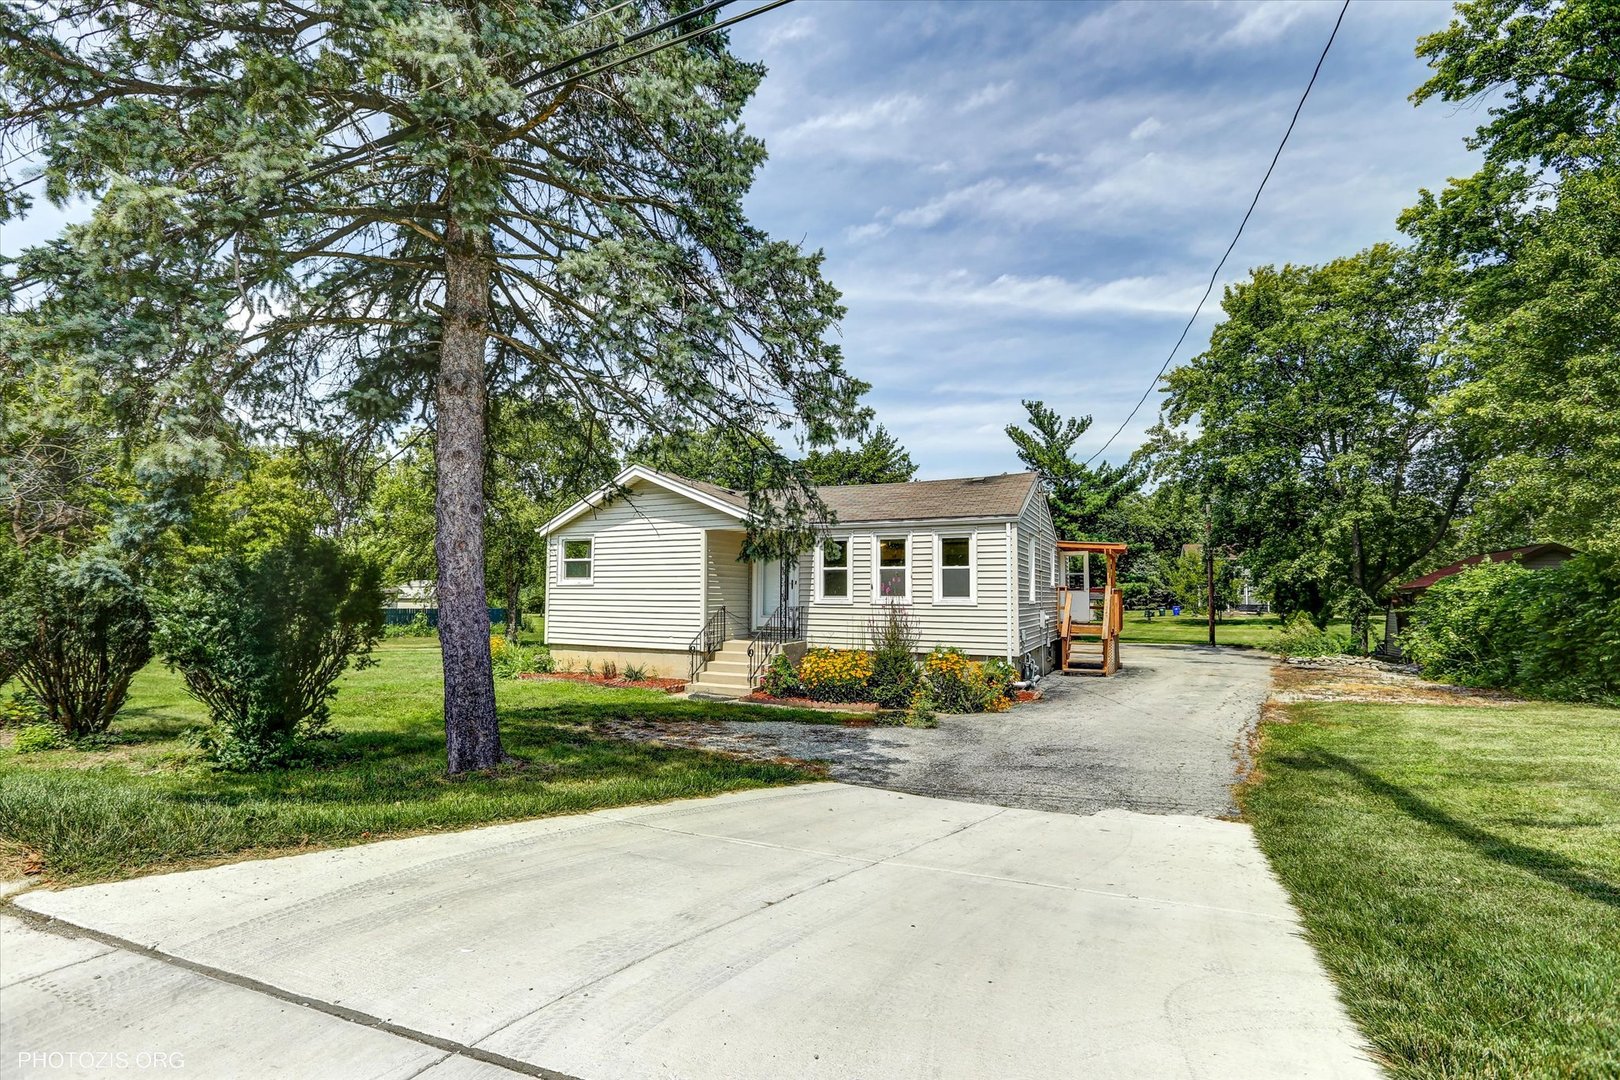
785	625
706	643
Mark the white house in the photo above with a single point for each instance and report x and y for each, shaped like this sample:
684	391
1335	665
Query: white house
646	571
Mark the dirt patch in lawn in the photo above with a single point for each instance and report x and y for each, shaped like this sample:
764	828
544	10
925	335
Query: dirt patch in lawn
715	737
1356	679
668	686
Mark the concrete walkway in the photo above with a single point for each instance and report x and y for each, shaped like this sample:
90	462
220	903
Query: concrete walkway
824	931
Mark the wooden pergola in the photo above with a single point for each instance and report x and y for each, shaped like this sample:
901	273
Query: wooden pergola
1099	628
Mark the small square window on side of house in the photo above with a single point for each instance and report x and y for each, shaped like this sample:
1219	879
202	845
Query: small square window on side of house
577	561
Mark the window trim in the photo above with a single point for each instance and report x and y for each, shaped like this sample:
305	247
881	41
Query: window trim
972	598
563	560
878	568
848	568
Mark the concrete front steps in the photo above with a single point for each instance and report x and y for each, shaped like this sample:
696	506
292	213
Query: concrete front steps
727	674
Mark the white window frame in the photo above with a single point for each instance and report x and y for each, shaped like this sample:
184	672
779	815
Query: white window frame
848	568
563	560
972	598
878	568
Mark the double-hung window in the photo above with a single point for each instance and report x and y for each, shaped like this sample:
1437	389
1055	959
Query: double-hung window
577	561
892	566
832	575
956	569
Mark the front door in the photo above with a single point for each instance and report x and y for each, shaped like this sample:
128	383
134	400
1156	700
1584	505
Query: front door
768	589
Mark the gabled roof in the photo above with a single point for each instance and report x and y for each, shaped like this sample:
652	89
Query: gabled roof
1518	554
713	496
1002	496
968	498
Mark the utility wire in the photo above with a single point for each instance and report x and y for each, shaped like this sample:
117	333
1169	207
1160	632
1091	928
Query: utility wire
628	39
689	36
1241	225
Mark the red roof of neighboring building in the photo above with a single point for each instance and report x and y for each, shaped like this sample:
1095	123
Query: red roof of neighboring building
1510	555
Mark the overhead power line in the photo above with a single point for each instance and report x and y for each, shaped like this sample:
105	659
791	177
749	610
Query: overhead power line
1185	330
689	36
628	39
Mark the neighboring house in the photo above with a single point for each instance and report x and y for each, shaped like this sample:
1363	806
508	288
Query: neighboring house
638	571
1531	557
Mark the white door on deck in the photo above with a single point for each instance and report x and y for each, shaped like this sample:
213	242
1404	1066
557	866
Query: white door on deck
768	589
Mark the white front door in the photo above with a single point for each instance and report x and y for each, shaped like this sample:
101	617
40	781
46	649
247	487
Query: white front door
768	589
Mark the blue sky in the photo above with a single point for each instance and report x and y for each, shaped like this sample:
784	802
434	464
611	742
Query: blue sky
1026	200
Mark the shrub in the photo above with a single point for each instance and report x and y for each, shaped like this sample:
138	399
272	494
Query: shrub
610	670
999	676
1302	637
634	673
509	661
75	633
835	674
894	677
22	709
957	684
38	737
1554	633
780	679
261	634
417	627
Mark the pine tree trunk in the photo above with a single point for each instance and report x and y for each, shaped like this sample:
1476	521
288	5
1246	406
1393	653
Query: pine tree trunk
471	729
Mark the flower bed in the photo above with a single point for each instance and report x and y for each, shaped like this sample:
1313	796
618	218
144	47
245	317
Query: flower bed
669	686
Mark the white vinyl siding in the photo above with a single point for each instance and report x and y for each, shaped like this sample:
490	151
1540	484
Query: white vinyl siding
726	579
979	628
1037	609
650	584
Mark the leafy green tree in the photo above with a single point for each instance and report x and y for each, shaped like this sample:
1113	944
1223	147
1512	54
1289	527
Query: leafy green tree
264	612
1317	442
1083	498
877	459
414	205
1534	236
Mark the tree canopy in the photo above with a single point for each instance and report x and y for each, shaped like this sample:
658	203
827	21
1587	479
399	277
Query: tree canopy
1084	499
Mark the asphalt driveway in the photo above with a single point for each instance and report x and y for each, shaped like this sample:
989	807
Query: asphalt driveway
822	931
1163	736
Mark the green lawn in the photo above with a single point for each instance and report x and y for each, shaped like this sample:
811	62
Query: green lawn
148	802
1257	631
1458	869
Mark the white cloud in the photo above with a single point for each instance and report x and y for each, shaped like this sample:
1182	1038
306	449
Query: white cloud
791	30
1046	296
986	95
1267	21
870	231
1146	129
881	112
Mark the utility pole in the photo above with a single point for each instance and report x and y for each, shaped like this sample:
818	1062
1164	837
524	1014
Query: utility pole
1209	570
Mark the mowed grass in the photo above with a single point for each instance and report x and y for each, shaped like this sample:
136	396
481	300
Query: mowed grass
1458	869
149	802
1254	631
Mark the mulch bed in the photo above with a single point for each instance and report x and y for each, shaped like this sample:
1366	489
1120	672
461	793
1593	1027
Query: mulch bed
759	698
668	686
1027	695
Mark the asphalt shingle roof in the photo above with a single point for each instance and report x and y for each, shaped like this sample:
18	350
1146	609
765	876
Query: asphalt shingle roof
968	497
999	496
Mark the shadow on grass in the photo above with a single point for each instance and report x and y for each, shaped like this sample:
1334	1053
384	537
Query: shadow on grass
1546	865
